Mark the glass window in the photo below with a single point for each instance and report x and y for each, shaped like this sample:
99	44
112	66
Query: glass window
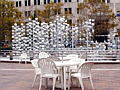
34	2
25	13
70	21
58	0
77	10
16	3
35	14
19	3
108	1
69	0
70	10
29	13
55	1
77	0
103	0
65	10
48	1
65	0
77	22
59	11
38	2
28	2
25	2
44	1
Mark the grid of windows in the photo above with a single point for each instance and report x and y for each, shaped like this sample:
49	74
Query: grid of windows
27	13
18	3
68	10
36	2
27	2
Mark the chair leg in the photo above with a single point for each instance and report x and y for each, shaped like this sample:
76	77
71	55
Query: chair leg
81	83
78	83
61	79
34	80
90	79
46	82
69	79
40	83
54	80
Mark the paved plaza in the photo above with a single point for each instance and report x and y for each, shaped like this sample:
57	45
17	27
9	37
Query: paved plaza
14	76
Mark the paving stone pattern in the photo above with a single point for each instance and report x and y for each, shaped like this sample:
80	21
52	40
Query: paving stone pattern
14	76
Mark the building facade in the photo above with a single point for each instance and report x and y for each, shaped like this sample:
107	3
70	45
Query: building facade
28	7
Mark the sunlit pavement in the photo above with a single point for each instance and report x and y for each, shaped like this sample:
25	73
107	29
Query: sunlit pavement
14	76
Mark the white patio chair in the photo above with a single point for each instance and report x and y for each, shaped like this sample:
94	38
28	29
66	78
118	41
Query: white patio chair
84	71
73	69
56	59
48	69
84	56
23	57
43	55
37	71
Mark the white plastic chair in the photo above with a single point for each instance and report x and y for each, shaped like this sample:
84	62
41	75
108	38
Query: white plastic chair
43	55
48	69
54	58
73	69
23	57
84	71
37	71
84	56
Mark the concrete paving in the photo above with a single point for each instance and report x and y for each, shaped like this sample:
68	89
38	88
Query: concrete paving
14	76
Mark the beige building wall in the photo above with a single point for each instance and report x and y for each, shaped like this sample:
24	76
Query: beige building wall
72	5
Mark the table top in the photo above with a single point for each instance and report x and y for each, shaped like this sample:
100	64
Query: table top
66	63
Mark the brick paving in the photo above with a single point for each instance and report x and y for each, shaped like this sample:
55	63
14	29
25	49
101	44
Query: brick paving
14	76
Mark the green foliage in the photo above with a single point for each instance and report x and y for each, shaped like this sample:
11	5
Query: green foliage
99	11
48	14
8	16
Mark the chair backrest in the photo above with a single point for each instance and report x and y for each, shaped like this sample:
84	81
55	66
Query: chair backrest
34	63
47	66
23	55
84	55
54	58
85	69
43	55
74	68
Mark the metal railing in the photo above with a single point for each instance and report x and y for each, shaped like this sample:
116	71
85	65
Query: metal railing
91	55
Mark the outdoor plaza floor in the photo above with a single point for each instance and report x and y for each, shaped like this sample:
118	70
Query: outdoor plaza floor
14	76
